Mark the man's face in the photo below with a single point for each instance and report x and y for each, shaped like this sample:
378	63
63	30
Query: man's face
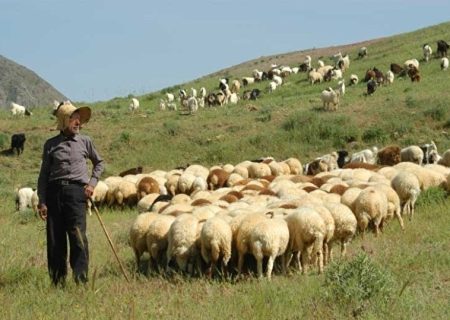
74	124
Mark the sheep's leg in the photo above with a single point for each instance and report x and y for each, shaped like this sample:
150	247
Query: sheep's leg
240	262
343	248
304	260
400	219
270	266
259	264
325	253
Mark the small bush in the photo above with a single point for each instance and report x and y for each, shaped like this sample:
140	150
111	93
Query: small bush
4	141
125	137
358	282
264	115
172	128
437	113
446	124
432	196
113	106
375	134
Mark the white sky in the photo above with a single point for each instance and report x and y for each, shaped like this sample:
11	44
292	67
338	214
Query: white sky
92	50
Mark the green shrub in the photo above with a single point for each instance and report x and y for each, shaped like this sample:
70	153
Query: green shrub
113	106
358	282
4	141
264	115
125	137
172	128
432	196
446	124
375	134
437	113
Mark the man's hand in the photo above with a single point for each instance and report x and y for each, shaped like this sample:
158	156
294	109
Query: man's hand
88	191
42	210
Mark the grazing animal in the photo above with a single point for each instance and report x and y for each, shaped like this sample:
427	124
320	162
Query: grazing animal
442	48
444	63
371	87
362	52
330	99
136	170
427	52
134	105
17	142
396	68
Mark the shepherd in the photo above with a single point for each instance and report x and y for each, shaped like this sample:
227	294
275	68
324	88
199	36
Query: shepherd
64	185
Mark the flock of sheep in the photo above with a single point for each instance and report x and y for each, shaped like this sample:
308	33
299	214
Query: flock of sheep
200	220
229	91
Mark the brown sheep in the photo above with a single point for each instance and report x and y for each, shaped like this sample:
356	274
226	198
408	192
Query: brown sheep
362	165
146	186
389	155
217	179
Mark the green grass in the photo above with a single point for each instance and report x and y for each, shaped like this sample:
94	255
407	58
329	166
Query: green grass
288	123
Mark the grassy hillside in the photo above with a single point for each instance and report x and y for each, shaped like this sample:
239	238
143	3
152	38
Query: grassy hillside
289	122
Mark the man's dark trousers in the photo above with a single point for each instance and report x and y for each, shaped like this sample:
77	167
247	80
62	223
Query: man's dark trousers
66	205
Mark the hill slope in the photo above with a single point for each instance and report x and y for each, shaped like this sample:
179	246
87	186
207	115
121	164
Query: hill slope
21	85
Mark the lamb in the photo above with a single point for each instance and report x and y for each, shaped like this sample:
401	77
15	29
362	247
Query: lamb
442	48
235	86
134	105
183	235
138	234
330	99
170	97
23	198
272	86
412	154
216	239
407	186
408	64
427	52
18	142
269	238
371	205
157	237
248	80
353	80
444	63
307	231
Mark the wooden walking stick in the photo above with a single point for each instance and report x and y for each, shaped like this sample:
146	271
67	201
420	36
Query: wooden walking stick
109	239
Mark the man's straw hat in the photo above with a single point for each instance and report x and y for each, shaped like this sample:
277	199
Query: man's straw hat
65	110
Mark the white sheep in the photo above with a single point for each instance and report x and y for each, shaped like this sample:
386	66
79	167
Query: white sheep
216	240
394	204
427	177
344	226
269	238
98	196
134	105
330	99
444	63
407	186
412	154
272	86
194	92
427	52
366	156
17	109
341	88
182	242
371	205
307	231
389	77
138	234
170	97
23	198
413	62
315	76
157	238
